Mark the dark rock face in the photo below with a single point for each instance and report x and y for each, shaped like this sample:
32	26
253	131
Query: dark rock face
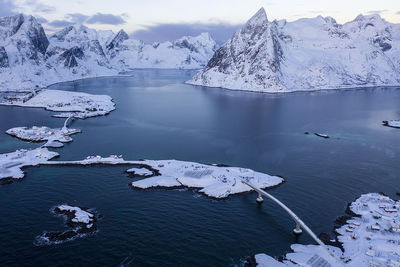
26	35
218	60
3	58
96	48
37	36
383	43
185	44
60	36
69	57
10	25
118	39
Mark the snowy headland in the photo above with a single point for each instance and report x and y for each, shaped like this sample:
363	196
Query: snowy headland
54	136
214	181
11	164
70	104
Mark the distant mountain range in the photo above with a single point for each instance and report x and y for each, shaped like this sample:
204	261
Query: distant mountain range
306	54
29	58
265	56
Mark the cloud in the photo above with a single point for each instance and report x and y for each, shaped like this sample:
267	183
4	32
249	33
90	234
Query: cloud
60	23
372	12
221	32
38	7
98	18
76	17
7	8
110	19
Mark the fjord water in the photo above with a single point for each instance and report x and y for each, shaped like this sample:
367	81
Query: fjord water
157	116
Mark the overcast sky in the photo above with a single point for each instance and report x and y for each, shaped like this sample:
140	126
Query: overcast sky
159	20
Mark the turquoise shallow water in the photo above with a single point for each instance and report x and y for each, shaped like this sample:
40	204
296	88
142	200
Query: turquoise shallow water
159	117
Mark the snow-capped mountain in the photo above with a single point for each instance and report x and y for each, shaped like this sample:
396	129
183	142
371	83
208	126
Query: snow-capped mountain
306	54
187	52
28	58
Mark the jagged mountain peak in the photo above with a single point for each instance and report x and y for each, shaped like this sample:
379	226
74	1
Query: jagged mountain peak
122	33
258	18
119	38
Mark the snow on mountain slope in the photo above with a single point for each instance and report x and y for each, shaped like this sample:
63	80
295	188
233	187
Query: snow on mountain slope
187	52
306	54
29	59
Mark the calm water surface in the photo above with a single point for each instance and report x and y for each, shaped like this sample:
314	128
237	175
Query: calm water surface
159	117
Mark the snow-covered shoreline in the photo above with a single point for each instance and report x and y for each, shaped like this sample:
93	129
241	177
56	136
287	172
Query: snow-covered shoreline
303	90
11	164
70	104
214	181
54	136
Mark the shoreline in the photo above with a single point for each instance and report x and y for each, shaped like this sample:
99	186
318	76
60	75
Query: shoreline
353	88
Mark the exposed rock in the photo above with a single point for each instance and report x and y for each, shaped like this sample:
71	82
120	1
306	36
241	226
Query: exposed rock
3	58
81	220
118	39
69	57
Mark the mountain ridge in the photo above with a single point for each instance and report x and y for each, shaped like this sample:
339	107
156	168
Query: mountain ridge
306	54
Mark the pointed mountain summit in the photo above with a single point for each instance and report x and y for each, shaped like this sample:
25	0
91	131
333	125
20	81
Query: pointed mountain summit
257	19
306	54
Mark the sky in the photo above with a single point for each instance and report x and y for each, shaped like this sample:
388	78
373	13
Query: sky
160	20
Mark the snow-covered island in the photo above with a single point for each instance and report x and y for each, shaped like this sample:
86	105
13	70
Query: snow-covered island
29	58
81	220
214	181
70	104
54	137
306	54
392	123
11	164
370	238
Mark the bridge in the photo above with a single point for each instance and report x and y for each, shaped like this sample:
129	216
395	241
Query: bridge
70	117
299	223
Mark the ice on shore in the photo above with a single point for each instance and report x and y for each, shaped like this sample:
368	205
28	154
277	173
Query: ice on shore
370	238
70	104
211	180
54	136
11	164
